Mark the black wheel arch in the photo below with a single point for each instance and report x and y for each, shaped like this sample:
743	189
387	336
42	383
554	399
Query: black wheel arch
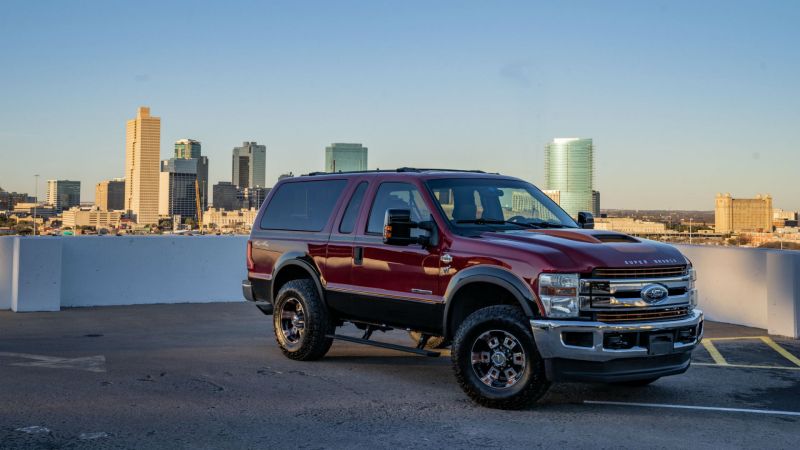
518	291
293	266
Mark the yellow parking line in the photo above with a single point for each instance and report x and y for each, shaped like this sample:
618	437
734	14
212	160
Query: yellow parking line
732	338
782	351
745	366
715	354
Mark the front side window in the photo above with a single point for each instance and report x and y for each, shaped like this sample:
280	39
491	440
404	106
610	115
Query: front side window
397	196
497	204
302	206
353	207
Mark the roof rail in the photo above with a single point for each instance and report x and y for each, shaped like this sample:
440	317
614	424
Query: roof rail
399	170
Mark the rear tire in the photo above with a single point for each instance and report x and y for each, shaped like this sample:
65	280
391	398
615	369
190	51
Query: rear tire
301	321
495	359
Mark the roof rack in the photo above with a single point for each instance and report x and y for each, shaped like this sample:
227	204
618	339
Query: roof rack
400	170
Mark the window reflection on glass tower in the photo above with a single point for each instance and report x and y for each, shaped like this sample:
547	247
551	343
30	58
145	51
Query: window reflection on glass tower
569	170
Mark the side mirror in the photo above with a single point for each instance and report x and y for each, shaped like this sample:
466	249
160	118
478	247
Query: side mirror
586	220
397	227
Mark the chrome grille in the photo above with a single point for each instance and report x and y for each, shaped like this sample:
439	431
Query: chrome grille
632	316
639	272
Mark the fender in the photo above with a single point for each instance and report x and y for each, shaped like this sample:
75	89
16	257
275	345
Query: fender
296	259
494	275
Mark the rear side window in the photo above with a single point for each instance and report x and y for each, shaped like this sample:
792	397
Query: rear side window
303	206
353	207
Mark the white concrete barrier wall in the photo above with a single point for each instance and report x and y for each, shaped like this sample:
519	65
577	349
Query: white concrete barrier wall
753	287
121	270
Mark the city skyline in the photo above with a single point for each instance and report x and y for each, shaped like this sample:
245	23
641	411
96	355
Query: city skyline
478	86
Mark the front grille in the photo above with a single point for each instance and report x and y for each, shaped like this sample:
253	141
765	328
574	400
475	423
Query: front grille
639	272
640	315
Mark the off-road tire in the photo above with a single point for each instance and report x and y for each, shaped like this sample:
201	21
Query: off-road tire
433	341
636	383
533	383
313	344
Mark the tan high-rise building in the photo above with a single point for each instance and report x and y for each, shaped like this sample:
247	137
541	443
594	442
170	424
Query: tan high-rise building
109	195
732	215
142	166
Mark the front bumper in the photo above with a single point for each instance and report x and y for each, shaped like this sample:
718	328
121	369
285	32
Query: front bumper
593	361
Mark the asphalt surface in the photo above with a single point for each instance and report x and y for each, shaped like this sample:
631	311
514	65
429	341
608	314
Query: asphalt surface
211	376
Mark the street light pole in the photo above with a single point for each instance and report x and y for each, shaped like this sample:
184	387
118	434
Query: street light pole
36	200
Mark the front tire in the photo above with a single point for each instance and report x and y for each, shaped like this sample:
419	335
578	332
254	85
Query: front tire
495	359
302	322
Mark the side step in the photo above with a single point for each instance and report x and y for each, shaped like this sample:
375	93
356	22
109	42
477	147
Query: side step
399	348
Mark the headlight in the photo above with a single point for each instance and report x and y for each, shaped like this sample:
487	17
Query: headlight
692	289
559	294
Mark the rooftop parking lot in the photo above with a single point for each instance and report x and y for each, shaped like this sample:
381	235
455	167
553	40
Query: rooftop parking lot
211	376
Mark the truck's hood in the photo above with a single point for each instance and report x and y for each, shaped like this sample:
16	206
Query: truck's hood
586	250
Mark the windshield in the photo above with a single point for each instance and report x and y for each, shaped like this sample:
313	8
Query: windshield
498	204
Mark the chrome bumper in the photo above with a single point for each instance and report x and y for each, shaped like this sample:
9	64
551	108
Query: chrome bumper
548	337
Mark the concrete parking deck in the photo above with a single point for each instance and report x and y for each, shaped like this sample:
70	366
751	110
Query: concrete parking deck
211	376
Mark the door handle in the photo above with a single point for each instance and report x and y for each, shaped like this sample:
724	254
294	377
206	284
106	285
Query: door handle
358	255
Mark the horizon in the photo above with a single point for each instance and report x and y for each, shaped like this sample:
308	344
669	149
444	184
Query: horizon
419	85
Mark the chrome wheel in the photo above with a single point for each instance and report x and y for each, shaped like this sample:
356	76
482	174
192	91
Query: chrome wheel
293	322
498	359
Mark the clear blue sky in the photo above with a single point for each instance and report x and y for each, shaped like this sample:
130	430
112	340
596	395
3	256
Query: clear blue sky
684	99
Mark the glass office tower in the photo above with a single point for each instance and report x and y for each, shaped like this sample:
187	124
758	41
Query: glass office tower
569	169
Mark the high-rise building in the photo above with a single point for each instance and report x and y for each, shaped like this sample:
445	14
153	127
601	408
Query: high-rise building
63	194
191	149
249	165
226	196
340	157
142	156
187	148
569	169
596	203
177	191
733	215
109	195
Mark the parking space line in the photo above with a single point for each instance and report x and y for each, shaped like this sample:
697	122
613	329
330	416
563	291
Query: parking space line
701	408
782	351
744	366
715	354
734	338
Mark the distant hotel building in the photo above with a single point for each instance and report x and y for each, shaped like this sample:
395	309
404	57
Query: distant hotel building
629	225
249	165
341	157
733	215
187	149
242	218
142	156
569	170
79	217
63	194
109	195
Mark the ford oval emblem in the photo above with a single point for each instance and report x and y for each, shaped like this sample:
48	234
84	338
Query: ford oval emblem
653	293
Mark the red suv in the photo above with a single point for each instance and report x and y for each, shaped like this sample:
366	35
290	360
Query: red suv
486	263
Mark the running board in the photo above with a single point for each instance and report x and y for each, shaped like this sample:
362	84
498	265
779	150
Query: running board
399	348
